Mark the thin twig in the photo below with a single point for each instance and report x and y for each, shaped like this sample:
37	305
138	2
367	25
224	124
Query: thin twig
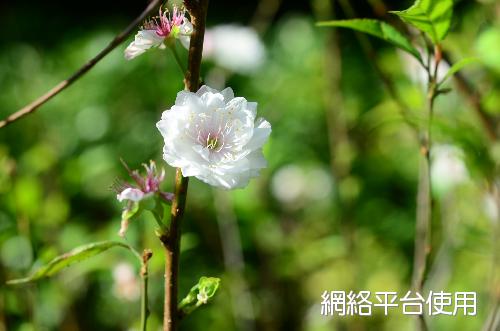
146	256
424	207
423	199
84	69
422	227
171	240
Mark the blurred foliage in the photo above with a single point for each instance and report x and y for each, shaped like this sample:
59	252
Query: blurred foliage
304	227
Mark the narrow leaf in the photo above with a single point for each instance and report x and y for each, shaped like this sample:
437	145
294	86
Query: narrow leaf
459	66
76	255
378	29
430	16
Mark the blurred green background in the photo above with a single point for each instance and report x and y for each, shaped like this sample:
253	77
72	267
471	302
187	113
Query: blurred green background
334	210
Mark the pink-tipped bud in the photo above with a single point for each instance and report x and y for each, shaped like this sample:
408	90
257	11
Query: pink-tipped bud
145	185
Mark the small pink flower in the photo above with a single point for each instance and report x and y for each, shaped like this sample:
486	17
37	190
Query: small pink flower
155	31
145	187
167	23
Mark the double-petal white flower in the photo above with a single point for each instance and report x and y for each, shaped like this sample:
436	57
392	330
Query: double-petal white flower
215	137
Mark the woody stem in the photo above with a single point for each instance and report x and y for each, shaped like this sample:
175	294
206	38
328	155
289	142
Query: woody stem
171	239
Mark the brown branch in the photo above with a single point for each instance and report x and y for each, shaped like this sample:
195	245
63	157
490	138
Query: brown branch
198	11
171	241
84	69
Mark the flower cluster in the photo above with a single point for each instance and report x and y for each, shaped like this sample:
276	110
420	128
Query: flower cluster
159	29
146	186
215	137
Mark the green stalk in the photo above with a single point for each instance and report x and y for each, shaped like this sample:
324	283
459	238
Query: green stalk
424	207
177	57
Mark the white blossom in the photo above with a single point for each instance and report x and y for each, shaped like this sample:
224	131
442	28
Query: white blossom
234	47
125	282
215	137
294	185
448	168
490	207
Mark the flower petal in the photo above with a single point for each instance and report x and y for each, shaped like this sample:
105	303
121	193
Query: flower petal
204	89
260	134
132	194
148	38
144	40
228	94
213	101
184	35
133	51
190	100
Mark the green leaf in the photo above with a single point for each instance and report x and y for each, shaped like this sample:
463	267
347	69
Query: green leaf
459	66
430	16
199	294
74	256
378	29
